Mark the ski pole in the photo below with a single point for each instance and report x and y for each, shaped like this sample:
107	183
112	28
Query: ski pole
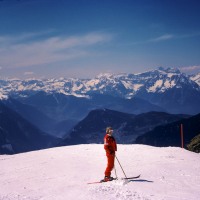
120	166
115	172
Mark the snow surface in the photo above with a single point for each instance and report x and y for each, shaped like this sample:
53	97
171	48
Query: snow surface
63	173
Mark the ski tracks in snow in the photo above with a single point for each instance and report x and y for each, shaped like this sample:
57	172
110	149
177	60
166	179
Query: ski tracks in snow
115	190
13	196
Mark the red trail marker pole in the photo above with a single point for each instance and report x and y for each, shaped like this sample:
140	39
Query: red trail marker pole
182	143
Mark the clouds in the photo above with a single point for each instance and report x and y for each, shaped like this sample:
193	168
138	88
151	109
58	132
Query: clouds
57	54
167	36
162	38
28	73
25	50
191	69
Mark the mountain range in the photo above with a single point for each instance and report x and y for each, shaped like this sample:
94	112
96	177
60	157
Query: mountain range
78	110
169	89
169	134
17	135
127	127
123	85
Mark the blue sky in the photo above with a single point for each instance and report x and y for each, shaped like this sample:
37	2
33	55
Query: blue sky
82	38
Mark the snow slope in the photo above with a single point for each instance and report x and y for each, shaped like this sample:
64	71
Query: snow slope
62	173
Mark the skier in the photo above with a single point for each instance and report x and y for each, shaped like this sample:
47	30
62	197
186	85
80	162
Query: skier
110	147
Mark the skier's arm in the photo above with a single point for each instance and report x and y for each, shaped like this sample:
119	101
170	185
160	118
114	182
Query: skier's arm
108	146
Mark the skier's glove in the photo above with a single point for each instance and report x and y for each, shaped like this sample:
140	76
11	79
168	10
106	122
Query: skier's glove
112	153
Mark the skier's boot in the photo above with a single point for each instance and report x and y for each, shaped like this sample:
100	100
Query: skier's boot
107	178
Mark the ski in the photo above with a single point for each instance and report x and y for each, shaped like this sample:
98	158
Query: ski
102	181
95	182
127	178
133	177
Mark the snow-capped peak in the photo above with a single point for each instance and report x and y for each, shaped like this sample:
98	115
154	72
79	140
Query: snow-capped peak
104	75
123	85
3	96
196	78
169	70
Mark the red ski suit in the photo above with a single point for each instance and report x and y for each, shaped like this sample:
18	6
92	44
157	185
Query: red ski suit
110	146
